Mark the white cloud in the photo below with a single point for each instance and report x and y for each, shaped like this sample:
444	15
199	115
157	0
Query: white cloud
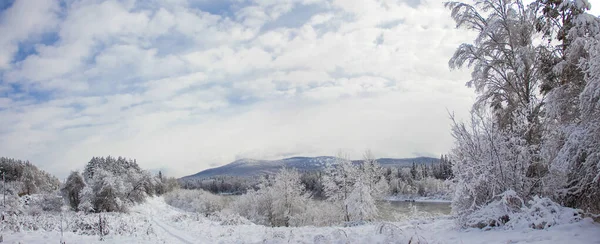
183	88
24	20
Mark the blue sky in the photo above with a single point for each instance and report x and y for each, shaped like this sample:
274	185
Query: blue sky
185	85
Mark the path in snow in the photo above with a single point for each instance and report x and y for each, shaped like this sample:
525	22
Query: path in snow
184	238
156	210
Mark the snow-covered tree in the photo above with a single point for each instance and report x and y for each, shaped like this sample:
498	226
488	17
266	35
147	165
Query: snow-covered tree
540	134
487	161
87	199
25	178
72	189
361	203
338	183
279	201
109	192
256	205
503	58
289	197
494	152
354	188
29	180
195	201
116	182
372	174
578	157
163	184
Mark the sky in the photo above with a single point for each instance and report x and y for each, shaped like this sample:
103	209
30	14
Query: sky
182	86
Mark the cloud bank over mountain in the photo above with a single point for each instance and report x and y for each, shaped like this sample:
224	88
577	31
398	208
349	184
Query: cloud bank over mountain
186	85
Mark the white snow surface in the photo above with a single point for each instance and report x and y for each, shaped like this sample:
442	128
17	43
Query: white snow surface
402	198
172	225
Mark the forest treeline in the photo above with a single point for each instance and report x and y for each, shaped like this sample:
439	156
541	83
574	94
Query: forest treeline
107	184
345	192
420	179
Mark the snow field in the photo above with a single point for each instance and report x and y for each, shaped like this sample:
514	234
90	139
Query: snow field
166	224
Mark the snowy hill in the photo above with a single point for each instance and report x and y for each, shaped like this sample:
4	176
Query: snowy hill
253	167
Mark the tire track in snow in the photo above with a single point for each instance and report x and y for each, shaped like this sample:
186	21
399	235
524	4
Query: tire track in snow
178	237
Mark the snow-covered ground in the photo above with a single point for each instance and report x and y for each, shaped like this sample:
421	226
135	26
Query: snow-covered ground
418	199
171	225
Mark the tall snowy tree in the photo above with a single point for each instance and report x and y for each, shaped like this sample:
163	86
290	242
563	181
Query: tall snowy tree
573	111
338	183
534	125
29	179
72	189
373	175
493	153
289	197
503	58
354	188
360	202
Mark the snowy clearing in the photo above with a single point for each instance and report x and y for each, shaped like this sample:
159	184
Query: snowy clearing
172	225
417	199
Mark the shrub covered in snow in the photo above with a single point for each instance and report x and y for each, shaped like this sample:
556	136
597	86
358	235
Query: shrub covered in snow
79	223
355	188
542	213
45	202
114	183
496	213
229	218
280	201
254	205
510	211
195	201
45	212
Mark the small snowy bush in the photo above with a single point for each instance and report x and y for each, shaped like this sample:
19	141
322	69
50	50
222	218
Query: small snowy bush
510	211
319	213
496	213
79	223
543	213
49	202
255	206
228	218
279	201
199	201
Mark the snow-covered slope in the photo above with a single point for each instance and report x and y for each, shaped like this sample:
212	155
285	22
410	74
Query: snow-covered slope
252	167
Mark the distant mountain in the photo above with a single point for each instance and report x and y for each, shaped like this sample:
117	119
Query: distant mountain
252	167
